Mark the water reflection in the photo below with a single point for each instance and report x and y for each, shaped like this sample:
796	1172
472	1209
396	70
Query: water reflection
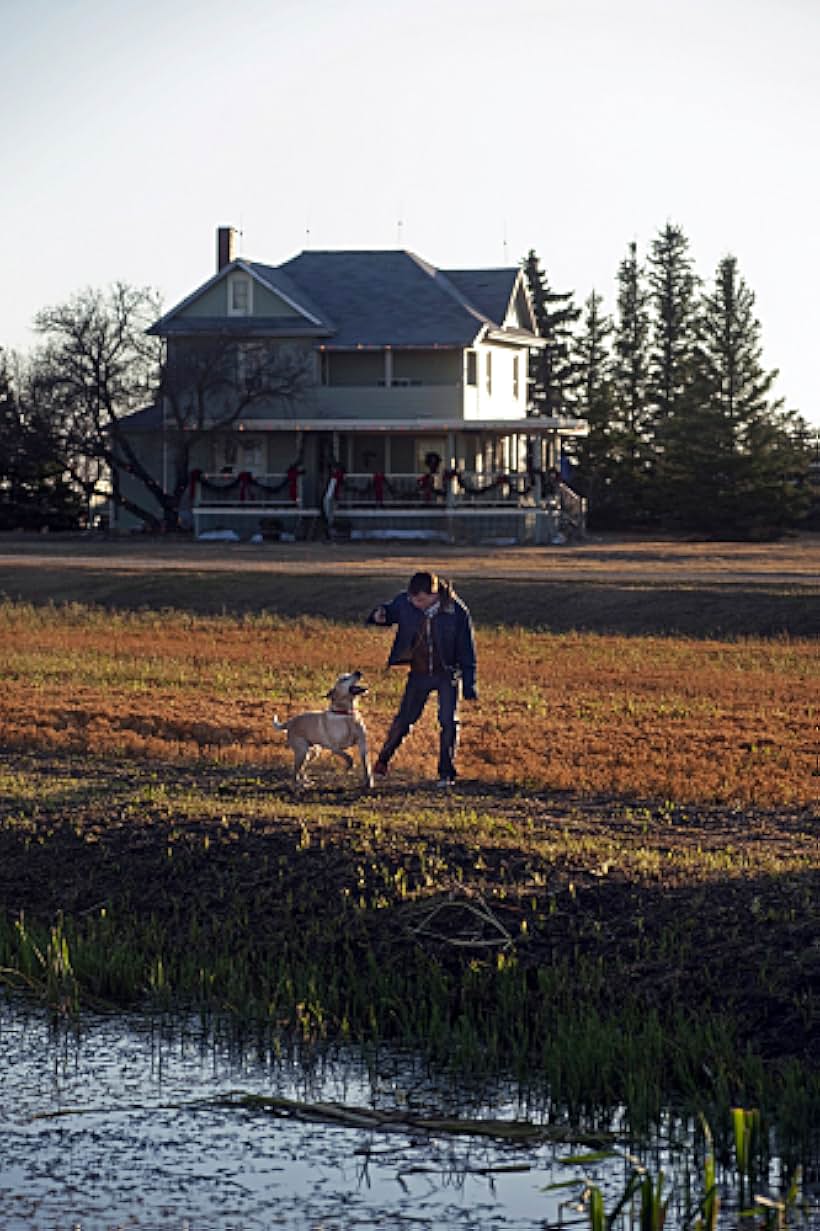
129	1123
109	1125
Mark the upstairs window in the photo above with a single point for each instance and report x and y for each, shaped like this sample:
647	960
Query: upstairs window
489	371
239	296
472	368
515	377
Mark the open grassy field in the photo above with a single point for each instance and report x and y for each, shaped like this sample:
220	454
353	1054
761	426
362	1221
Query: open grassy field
659	718
619	898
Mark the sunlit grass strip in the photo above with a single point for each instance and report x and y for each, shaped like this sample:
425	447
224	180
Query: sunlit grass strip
648	717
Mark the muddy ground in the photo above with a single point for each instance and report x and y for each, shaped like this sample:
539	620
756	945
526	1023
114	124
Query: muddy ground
711	909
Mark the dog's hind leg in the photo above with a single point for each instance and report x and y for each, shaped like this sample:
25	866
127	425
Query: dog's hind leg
301	756
343	756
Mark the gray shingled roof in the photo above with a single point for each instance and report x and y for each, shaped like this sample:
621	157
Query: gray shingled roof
385	298
489	289
242	326
371	298
276	277
149	419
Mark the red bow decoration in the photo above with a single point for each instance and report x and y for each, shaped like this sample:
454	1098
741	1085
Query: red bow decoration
293	482
426	486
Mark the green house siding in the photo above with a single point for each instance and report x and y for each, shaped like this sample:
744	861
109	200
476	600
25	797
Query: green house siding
213	302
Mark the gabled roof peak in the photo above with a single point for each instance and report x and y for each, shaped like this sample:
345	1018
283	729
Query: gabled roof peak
373	297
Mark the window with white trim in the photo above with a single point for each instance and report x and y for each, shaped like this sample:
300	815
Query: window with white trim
239	295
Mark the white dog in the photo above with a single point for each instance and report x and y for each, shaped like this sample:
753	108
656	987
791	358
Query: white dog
336	728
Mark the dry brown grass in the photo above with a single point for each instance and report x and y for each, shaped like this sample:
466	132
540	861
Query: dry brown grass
661	718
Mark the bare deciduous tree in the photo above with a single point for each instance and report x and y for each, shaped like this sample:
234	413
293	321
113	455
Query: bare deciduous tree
95	367
100	362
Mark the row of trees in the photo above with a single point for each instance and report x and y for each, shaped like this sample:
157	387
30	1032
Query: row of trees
684	428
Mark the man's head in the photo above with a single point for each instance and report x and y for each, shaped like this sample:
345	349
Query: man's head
422	590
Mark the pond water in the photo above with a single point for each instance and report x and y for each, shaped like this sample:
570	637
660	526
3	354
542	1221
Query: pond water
116	1124
109	1125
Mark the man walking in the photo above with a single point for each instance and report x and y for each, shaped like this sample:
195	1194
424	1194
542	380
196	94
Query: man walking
434	636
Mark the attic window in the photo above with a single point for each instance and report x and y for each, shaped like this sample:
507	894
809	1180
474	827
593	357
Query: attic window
239	296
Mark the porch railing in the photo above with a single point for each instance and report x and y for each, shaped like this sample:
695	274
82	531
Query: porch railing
440	490
249	493
238	491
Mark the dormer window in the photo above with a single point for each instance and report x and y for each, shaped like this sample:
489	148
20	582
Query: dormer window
239	295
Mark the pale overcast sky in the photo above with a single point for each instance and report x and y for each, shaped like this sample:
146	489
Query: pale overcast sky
466	130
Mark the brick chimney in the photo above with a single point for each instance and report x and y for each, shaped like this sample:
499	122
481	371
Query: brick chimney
225	246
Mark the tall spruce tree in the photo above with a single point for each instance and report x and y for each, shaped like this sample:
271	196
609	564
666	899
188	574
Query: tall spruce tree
631	430
672	286
35	491
738	473
552	370
593	453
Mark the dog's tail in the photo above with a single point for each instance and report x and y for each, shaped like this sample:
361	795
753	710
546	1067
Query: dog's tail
280	726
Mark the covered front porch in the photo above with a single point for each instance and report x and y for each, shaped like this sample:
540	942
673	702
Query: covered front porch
453	481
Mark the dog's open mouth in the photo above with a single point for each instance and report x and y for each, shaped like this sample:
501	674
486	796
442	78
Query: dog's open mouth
357	690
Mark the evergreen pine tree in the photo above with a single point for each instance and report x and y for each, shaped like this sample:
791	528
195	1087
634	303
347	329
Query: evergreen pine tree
738	474
551	369
34	489
672	285
9	447
593	453
631	430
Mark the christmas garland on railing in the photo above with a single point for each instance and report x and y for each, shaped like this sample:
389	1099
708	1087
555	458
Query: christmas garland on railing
502	480
246	484
377	483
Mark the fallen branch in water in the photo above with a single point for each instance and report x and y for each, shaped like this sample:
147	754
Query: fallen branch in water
519	1131
400	1121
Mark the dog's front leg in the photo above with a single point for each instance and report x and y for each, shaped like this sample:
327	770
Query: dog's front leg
367	773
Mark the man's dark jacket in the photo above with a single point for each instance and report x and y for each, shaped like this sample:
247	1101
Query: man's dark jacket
452	631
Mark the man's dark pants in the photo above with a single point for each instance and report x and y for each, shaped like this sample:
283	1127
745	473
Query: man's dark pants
418	689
